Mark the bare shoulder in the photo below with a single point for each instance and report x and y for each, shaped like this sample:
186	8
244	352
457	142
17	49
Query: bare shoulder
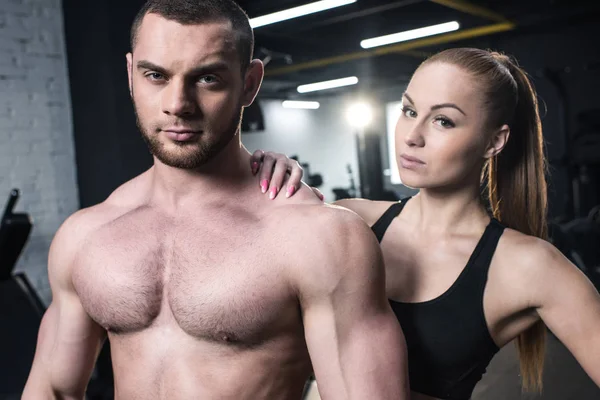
66	243
122	200
529	252
76	229
369	210
329	243
328	228
307	213
531	264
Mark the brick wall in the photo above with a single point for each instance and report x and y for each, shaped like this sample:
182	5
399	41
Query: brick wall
36	140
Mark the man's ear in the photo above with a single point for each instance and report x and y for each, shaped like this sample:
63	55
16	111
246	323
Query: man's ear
129	57
497	142
252	81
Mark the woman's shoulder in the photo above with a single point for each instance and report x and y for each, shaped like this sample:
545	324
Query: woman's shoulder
369	210
528	259
525	246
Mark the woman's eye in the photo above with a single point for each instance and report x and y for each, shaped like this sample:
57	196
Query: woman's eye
444	122
408	112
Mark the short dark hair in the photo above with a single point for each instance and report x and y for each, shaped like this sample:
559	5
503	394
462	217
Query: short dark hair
190	12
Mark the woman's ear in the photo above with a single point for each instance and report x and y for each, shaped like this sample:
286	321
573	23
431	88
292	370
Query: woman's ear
497	142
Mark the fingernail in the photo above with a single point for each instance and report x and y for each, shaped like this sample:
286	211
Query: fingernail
254	167
264	185
290	191
273	193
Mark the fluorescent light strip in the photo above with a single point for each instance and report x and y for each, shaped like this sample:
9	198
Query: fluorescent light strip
313	87
303	105
410	35
296	12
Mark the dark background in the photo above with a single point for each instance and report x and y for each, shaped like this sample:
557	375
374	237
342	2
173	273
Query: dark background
555	41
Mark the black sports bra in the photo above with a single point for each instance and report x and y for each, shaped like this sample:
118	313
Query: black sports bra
449	344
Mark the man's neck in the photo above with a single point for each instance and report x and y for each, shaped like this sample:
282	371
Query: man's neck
227	174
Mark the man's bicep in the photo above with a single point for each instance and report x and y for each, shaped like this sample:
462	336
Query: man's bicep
356	354
323	346
67	347
68	339
354	339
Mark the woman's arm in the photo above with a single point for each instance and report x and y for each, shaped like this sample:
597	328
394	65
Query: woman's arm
567	302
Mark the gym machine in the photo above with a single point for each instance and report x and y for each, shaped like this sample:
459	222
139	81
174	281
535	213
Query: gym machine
21	309
14	233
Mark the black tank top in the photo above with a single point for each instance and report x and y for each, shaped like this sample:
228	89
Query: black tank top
449	344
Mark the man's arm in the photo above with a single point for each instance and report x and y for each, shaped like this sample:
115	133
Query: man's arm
68	340
355	341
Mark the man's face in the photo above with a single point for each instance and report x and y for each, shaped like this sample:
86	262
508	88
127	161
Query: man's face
188	89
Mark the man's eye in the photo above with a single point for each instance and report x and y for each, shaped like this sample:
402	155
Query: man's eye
208	79
155	76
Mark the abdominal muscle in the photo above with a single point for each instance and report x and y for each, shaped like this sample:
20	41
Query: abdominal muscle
156	365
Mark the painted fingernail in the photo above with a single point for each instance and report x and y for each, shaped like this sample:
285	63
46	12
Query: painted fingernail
264	185
254	167
273	193
290	191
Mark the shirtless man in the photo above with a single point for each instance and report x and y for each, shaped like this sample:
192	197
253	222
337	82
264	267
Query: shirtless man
176	266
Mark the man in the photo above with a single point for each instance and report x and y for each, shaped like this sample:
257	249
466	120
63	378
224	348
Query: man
197	279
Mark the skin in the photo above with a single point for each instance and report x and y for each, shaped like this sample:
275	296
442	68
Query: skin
428	245
176	269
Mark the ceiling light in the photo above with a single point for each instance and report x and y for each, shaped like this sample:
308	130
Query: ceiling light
313	87
296	12
359	115
304	105
410	35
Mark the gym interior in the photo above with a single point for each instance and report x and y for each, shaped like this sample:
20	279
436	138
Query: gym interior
68	134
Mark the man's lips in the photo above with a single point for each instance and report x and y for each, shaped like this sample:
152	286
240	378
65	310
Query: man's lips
181	134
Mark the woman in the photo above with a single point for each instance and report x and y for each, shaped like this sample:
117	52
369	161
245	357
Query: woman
466	274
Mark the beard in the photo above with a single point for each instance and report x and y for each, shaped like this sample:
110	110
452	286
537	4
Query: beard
189	155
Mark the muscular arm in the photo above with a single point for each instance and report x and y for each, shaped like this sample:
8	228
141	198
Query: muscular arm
568	304
68	340
355	342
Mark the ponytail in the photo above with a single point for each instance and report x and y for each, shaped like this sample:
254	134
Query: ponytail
518	198
516	178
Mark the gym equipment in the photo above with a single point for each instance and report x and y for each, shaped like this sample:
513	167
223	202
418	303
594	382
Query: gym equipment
370	167
21	309
581	159
341	193
585	161
253	119
313	180
578	240
21	312
14	233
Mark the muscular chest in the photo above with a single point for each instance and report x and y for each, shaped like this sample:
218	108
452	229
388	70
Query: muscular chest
214	284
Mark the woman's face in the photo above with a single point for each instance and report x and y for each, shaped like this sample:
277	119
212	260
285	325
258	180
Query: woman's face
441	140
